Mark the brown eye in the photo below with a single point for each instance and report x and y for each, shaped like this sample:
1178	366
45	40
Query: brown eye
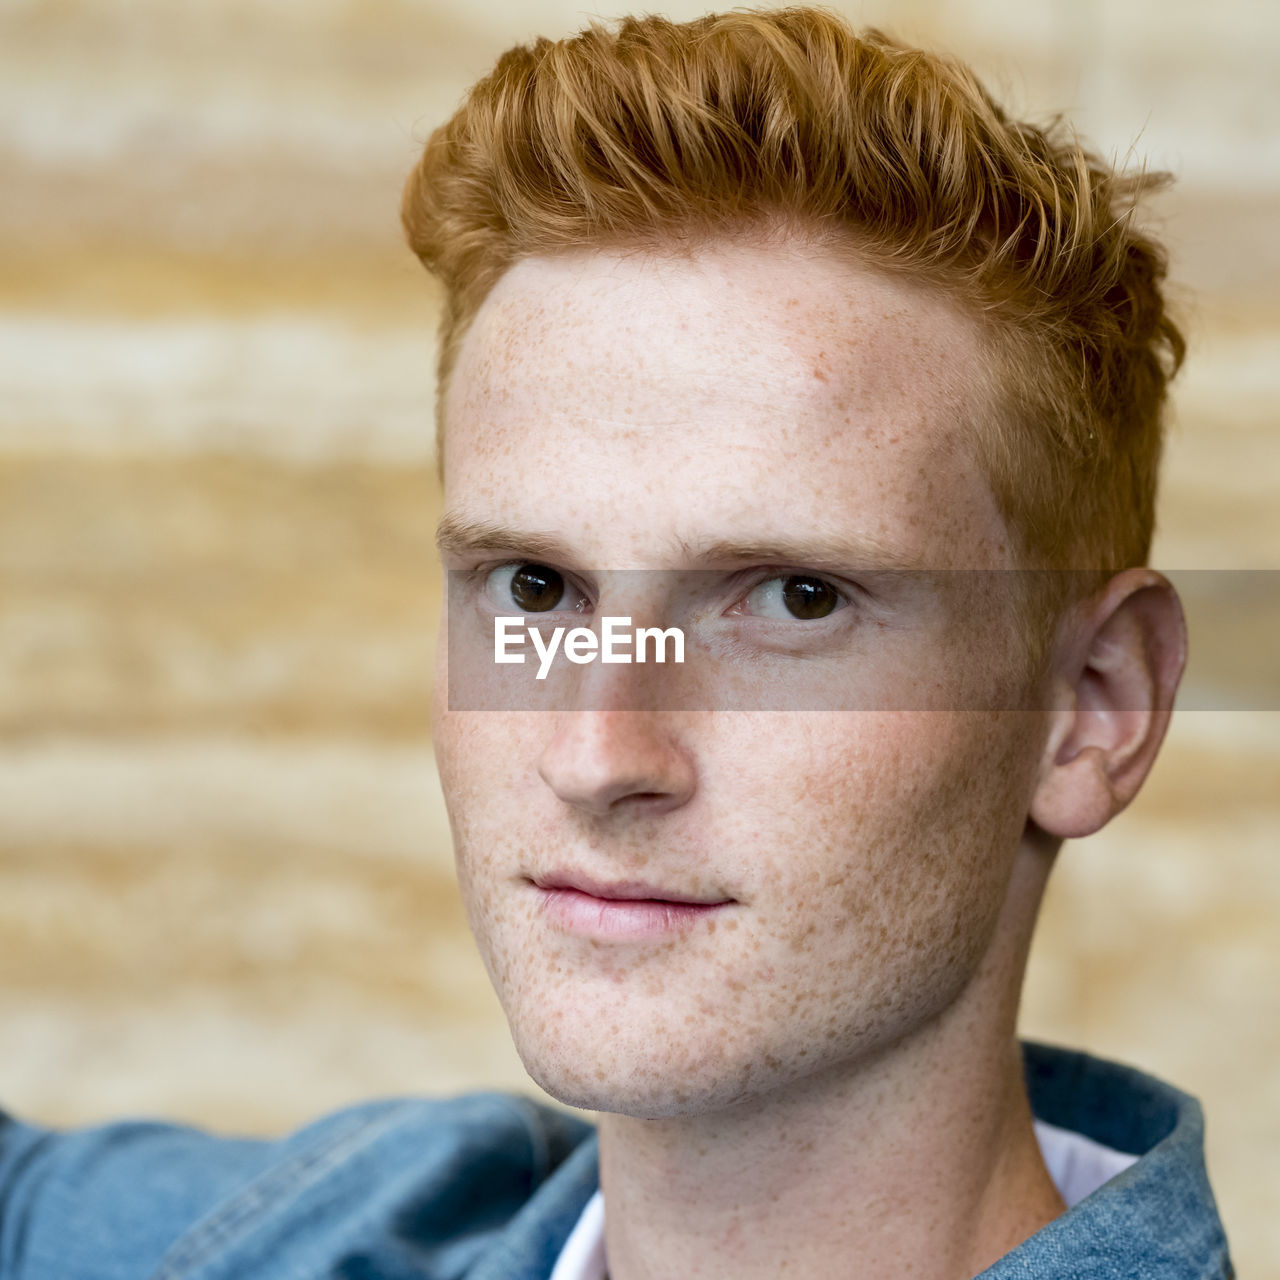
536	588
809	598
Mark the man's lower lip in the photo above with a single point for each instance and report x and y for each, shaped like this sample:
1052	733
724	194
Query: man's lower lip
622	918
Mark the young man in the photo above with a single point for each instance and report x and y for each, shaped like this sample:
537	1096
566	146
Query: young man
792	334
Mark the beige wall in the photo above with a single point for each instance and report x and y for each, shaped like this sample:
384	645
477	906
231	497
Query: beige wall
225	886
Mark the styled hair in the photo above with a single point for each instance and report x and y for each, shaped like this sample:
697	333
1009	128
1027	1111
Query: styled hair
653	132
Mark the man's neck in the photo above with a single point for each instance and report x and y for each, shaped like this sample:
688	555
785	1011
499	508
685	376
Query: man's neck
920	1162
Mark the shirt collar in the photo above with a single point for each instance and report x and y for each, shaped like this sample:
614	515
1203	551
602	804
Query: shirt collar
1157	1217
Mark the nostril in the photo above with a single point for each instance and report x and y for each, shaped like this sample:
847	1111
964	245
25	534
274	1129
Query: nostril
615	760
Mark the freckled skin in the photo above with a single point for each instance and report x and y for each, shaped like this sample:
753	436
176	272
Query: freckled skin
736	394
868	850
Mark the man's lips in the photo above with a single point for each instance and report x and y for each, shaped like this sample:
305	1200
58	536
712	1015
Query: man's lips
620	910
623	890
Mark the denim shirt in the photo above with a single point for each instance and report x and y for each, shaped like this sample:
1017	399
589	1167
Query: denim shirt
488	1186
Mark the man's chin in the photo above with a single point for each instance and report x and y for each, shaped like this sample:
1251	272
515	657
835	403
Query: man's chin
610	1098
643	1089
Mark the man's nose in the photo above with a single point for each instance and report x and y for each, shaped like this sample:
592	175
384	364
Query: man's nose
601	761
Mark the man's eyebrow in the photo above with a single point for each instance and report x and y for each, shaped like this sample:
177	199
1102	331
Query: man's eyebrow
459	535
834	553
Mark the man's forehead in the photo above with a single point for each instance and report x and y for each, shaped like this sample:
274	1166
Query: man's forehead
786	326
735	396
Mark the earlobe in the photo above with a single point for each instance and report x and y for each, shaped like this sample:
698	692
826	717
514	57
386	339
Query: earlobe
1115	677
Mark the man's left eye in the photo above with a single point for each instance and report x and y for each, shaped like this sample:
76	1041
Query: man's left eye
533	588
796	596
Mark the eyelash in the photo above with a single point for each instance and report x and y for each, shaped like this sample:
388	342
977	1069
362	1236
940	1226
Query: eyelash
845	592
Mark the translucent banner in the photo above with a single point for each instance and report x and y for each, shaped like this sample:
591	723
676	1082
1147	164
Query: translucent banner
527	636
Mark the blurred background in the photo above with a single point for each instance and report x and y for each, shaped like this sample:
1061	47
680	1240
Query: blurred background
226	889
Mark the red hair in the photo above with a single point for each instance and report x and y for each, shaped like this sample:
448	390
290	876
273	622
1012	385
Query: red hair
655	132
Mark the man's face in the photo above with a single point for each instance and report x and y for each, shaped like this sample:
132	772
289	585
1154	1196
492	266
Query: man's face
638	409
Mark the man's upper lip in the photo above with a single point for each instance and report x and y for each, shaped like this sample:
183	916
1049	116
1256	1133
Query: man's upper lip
620	890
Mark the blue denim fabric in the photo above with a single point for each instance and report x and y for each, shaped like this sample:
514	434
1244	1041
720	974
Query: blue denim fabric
488	1187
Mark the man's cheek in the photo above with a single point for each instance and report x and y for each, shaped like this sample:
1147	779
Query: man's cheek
477	763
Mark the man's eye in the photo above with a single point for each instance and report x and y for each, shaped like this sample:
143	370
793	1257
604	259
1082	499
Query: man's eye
533	588
796	596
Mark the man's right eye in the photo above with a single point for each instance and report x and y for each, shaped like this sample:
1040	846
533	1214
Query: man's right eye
532	588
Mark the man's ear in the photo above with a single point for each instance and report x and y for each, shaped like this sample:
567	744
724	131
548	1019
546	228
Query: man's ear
1115	672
